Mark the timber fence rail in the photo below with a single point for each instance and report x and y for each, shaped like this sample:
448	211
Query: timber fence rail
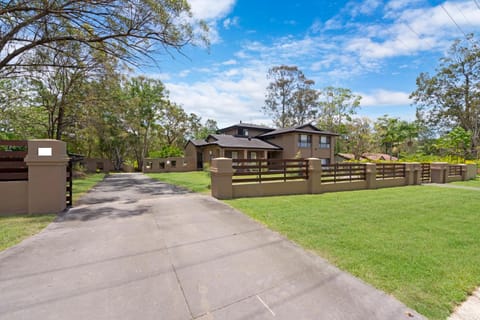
455	170
244	178
390	170
263	170
12	164
342	172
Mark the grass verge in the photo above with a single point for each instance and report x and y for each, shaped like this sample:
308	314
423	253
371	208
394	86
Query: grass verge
198	181
475	183
418	243
15	228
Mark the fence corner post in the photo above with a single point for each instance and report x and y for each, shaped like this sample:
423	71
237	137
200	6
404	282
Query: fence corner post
314	175
413	173
221	178
439	172
371	175
47	162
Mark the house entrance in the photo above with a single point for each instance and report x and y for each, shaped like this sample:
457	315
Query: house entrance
199	161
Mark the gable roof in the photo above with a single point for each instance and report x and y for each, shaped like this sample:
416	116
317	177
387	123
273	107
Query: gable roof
246	125
228	141
306	128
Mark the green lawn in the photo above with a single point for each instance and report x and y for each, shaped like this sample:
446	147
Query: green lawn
421	244
470	183
15	228
197	181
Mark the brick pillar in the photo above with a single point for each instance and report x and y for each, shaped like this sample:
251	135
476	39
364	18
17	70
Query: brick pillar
413	173
221	178
371	175
47	161
438	172
314	175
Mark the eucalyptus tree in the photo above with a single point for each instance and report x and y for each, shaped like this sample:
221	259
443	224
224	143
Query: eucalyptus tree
124	29
290	98
451	97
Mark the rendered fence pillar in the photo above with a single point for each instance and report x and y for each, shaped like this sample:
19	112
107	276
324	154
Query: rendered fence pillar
371	175
47	161
438	172
314	175
471	171
413	173
221	178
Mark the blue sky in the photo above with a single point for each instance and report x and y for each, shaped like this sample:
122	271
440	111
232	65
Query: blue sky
375	48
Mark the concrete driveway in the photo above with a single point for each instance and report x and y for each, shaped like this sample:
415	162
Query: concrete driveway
139	249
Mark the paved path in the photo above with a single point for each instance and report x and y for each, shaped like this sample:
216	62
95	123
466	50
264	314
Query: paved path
138	249
452	186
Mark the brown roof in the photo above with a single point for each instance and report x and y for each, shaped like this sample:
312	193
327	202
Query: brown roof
246	125
228	141
306	128
368	156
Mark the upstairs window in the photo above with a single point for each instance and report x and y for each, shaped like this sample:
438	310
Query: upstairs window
243	132
324	142
304	141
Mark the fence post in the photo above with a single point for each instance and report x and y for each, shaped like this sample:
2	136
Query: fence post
413	173
314	175
47	176
221	178
371	175
438	172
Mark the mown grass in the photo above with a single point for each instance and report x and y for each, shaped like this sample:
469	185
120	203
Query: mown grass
419	243
82	185
198	181
15	228
475	183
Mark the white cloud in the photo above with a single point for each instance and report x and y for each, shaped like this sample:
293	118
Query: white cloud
211	9
230	22
230	96
229	62
382	97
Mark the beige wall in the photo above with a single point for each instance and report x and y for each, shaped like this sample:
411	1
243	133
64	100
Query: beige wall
45	190
289	143
222	187
14	197
171	164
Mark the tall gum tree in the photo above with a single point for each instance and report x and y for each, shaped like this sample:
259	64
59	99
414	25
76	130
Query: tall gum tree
125	29
451	97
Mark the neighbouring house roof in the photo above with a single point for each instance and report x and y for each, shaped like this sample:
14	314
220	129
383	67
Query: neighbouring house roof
368	156
379	156
198	142
306	128
246	125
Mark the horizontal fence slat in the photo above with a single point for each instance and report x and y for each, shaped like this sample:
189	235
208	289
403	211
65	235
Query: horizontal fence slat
12	164
13	154
16	143
13	176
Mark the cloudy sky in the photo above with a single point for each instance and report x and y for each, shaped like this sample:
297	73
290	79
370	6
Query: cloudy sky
375	48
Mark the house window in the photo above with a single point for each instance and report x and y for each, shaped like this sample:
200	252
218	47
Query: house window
174	163
234	154
304	141
325	161
253	155
324	142
243	132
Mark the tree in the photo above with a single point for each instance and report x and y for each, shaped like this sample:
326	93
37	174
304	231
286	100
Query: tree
451	97
358	138
125	29
290	98
336	106
455	142
392	132
147	99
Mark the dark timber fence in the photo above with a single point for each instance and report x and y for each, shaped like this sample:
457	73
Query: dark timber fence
342	172
261	170
390	170
12	165
455	170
